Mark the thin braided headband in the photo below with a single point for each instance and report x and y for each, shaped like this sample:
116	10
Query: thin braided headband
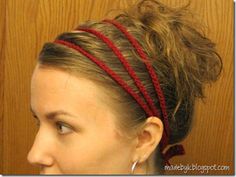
149	107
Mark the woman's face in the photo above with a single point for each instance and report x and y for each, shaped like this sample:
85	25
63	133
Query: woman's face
77	132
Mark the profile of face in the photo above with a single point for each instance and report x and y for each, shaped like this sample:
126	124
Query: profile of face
77	132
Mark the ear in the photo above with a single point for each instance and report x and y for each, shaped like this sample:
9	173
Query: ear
148	138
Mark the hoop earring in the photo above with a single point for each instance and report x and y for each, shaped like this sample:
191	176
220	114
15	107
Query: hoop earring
133	166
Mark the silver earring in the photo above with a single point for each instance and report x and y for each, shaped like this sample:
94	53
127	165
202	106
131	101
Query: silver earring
133	166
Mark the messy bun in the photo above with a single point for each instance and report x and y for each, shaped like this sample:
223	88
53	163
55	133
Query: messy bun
183	59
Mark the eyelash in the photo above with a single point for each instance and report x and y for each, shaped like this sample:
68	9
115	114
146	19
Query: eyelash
57	124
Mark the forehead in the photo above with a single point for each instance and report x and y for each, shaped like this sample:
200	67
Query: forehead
54	89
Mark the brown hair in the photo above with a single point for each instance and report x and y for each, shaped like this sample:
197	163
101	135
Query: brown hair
183	59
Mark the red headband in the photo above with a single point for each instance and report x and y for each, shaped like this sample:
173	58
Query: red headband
149	109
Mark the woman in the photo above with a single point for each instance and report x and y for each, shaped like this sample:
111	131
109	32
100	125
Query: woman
111	95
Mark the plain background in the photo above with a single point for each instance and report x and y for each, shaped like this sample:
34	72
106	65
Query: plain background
25	25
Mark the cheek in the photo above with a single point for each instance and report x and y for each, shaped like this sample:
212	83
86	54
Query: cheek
95	153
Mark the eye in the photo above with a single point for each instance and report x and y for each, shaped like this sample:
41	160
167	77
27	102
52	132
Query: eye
63	128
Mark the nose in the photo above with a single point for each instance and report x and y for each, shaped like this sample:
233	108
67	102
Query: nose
40	153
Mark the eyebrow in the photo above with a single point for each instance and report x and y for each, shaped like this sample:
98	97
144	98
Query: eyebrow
53	114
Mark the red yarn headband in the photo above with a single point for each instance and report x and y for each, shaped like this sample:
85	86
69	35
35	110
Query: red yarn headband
150	69
150	109
116	77
127	66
